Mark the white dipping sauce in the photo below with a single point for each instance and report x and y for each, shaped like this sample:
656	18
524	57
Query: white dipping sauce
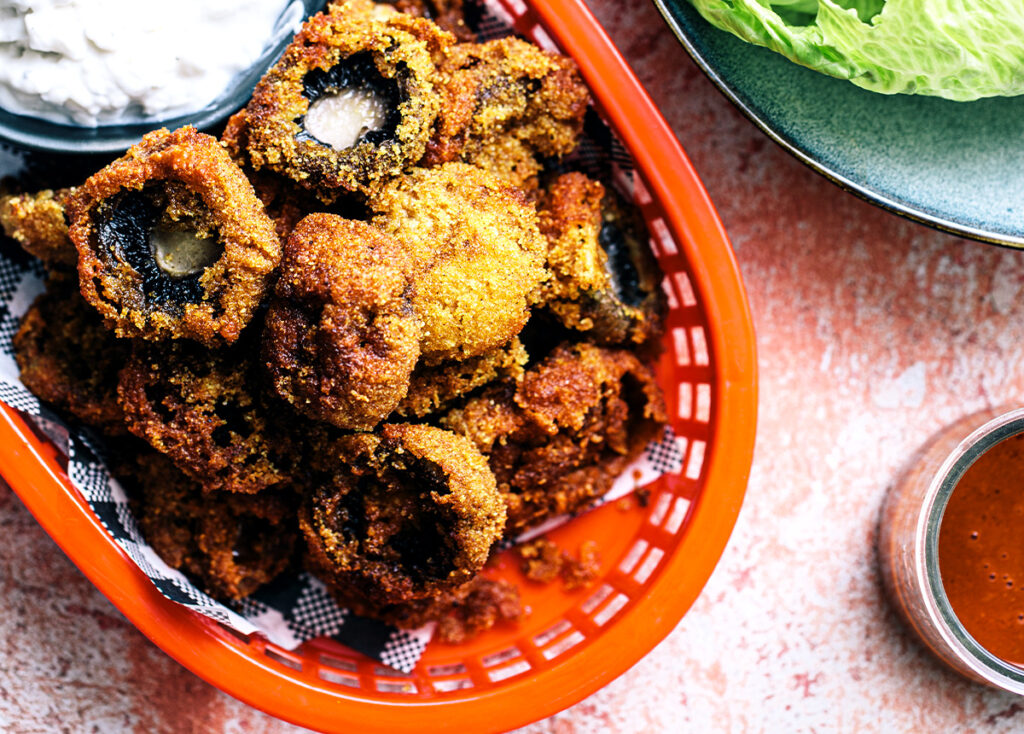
92	62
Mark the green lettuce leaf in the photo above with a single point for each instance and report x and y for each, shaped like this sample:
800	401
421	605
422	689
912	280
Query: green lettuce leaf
957	49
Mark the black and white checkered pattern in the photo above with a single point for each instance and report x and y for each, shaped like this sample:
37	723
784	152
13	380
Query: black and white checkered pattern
287	611
18	397
315	613
404	649
665	455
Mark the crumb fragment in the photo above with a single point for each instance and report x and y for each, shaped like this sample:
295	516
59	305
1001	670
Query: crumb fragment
488	603
544	561
579	573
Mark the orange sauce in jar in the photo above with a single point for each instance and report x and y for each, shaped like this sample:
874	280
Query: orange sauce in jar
981	550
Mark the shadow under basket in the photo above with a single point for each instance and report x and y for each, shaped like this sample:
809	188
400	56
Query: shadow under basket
657	548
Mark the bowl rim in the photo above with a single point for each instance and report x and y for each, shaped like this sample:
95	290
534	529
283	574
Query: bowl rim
862	191
31	468
43	135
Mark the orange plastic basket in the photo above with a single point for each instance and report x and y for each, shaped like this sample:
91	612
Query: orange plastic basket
656	557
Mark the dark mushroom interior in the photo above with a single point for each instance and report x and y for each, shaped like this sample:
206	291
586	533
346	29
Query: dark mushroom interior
393	522
621	268
351	103
168	246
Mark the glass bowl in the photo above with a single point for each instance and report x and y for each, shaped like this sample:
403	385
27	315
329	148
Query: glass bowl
34	133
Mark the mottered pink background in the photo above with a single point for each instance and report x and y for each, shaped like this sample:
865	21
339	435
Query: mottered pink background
873	332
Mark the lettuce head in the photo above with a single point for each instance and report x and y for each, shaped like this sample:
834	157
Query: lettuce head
957	49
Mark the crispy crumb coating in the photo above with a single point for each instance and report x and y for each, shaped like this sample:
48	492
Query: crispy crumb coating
38	223
507	88
229	544
284	201
185	182
486	603
347	48
449	15
51	345
460	614
543	561
604	281
479	253
559	440
407	315
509	159
433	389
341	337
410	512
205	410
580	572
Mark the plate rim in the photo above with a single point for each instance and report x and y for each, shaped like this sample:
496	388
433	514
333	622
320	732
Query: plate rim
864	192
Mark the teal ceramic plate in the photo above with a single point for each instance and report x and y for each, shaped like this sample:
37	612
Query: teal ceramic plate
953	165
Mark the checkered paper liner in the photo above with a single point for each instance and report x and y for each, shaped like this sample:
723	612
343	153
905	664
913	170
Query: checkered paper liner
294	609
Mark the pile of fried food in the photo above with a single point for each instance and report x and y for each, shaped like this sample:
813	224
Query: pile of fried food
371	331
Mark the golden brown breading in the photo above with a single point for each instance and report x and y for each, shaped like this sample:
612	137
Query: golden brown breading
67	357
382	64
230	544
205	410
507	88
579	572
432	389
408	513
38	223
559	440
449	15
460	614
487	602
172	241
362	246
569	215
509	159
341	337
604	281
284	200
479	253
543	561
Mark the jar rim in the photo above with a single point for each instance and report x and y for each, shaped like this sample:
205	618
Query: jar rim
986	665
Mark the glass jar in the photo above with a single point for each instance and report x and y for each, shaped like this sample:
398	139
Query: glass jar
908	543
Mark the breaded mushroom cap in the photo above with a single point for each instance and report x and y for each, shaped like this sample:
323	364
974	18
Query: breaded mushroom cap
479	254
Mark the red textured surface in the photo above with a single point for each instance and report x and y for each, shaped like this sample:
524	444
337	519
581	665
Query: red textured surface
873	332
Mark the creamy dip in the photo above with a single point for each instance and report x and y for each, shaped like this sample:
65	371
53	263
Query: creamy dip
93	62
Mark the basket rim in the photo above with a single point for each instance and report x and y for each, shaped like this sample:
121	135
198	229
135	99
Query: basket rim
31	467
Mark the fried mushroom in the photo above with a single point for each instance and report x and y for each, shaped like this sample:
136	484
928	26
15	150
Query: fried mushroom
561	438
507	88
38	223
68	358
478	251
460	614
409	513
432	389
450	15
230	544
172	241
509	159
341	337
604	281
351	102
205	410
